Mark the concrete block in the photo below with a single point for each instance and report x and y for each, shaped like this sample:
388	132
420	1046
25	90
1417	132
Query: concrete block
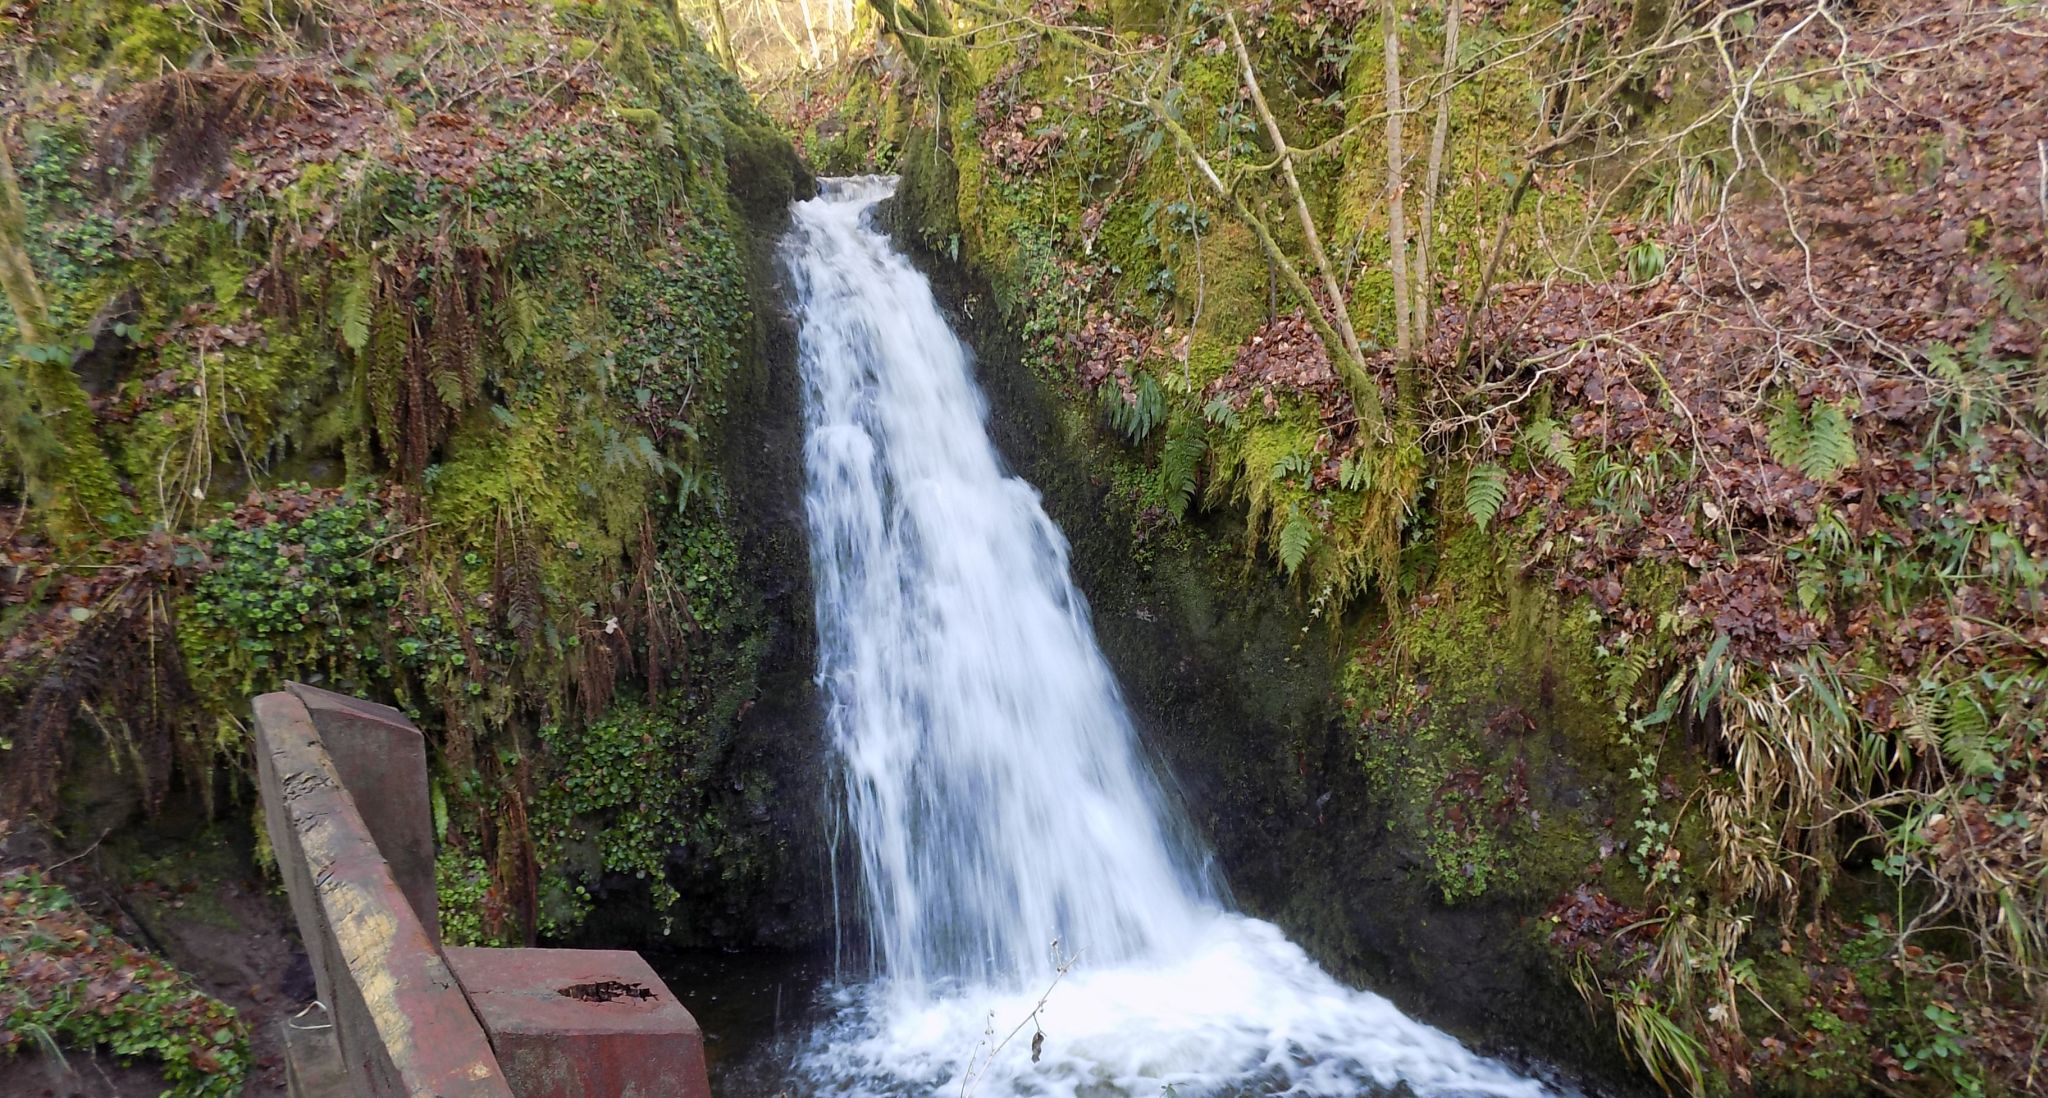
583	1023
382	759
401	1022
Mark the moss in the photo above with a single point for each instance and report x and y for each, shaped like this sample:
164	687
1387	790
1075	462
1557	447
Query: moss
535	456
1479	722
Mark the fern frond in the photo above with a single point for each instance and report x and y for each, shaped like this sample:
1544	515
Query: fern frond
1629	667
1966	732
1355	474
358	299
519	320
1295	539
1292	464
448	386
649	456
1547	438
1221	413
1819	443
1136	417
1830	444
1486	488
1788	433
1180	462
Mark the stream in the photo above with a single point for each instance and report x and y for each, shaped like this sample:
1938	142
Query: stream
1038	918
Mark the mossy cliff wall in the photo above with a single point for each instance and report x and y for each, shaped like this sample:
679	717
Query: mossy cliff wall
436	356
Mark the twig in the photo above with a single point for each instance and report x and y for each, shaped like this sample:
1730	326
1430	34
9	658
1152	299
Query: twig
1433	174
1397	222
88	850
1340	310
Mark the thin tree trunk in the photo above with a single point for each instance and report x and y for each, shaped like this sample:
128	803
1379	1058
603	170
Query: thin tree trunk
49	418
1364	389
1476	312
1397	223
723	32
810	30
781	24
17	276
1433	177
1340	310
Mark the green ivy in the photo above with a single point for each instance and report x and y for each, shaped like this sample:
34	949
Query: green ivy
622	780
293	596
66	978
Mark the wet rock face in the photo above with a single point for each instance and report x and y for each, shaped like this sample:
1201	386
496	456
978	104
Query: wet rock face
1235	690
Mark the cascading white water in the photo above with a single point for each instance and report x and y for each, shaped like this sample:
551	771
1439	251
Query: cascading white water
992	777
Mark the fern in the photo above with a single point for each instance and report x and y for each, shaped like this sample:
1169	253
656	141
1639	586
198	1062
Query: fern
618	454
1180	463
649	456
2010	295
1486	488
1292	464
1830	443
1355	474
1966	732
1820	443
518	320
448	386
1629	667
1135	417
1221	413
1548	439
358	298
1295	539
689	483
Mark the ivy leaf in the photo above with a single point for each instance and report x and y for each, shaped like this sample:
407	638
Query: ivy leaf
1486	488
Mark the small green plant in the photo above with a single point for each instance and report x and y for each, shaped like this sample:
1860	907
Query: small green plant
1818	442
462	882
1941	1048
289	590
1296	538
67	980
1646	260
1486	488
1135	416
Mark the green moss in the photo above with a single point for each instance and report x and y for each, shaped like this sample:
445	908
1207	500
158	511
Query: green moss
533	457
1470	705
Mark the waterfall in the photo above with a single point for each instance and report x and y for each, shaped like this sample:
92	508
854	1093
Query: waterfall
1020	870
